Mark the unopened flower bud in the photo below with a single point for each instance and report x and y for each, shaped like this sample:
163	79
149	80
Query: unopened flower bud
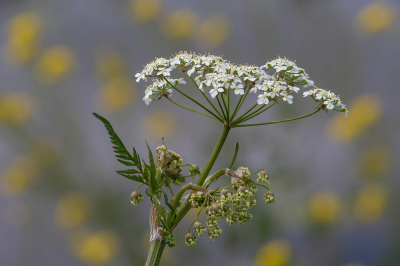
194	204
194	170
225	192
190	240
269	198
243	189
136	197
263	177
199	228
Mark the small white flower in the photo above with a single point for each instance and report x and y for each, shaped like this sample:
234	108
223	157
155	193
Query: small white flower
329	104
287	98
141	75
164	71
214	92
181	81
147	100
238	89
190	72
308	93
263	98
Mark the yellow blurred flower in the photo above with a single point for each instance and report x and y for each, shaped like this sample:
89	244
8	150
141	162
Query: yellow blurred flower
144	10
371	202
376	161
72	211
109	63
17	177
376	17
97	248
179	25
274	253
23	37
363	112
17	214
46	151
214	31
116	94
162	123
324	207
15	108
54	65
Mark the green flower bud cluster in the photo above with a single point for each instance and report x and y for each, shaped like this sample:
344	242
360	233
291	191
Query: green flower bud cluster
194	170
269	198
263	177
170	162
199	228
136	197
233	205
190	240
197	199
213	213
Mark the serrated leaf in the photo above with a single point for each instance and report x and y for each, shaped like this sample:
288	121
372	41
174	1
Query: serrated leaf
126	162
133	177
234	156
119	147
129	172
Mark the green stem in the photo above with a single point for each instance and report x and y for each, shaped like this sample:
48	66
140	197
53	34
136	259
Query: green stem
240	117
155	253
208	100
190	109
223	98
229	106
222	109
241	101
190	98
255	113
186	205
281	121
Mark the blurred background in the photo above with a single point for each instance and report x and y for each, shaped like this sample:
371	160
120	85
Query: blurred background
335	179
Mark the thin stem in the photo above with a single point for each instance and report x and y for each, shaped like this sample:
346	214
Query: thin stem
255	113
223	98
190	109
139	187
208	100
245	113
241	101
222	109
190	98
229	105
258	184
216	175
155	252
281	121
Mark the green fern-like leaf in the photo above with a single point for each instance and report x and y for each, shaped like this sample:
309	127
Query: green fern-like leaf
119	148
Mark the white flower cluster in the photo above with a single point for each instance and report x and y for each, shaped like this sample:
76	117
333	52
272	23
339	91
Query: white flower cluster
220	76
160	88
290	72
326	100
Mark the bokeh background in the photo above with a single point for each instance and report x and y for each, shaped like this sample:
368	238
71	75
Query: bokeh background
335	179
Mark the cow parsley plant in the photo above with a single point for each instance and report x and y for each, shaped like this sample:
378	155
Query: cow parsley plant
224	86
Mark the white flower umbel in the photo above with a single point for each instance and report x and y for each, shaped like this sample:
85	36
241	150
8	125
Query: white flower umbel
222	77
326	100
